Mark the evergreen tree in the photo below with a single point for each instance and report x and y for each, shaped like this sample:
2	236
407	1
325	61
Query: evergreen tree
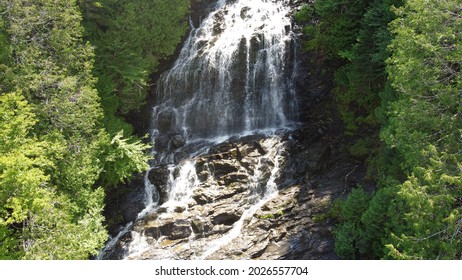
407	83
130	37
54	154
424	129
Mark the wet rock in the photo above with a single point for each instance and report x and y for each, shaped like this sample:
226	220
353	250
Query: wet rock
317	157
124	203
201	227
166	120
154	232
244	12
200	9
179	209
235	177
159	178
177	141
179	156
162	142
181	229
231	191
201	197
203	175
120	249
220	229
173	230
307	135
219	23
226	218
221	168
132	205
283	227
223	148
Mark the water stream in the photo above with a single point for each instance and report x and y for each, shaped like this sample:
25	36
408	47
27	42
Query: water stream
233	78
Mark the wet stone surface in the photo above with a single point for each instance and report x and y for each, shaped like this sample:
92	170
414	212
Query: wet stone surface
232	219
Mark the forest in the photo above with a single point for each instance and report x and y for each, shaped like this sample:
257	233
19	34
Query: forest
73	71
397	86
70	72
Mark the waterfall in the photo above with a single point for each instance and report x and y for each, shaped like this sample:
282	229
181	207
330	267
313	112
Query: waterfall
234	74
234	77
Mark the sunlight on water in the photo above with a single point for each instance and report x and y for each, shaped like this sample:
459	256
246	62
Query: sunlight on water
270	192
181	186
234	73
233	78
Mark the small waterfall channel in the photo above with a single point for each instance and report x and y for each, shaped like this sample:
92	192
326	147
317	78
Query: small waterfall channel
220	128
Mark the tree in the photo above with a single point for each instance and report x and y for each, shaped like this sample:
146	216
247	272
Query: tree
37	220
424	130
53	66
349	235
412	89
130	37
53	148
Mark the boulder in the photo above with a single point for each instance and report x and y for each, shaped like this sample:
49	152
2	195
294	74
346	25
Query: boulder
124	203
201	197
181	229
201	227
177	141
226	218
166	120
159	177
162	142
173	230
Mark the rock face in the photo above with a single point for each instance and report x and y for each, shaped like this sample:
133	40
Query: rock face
252	198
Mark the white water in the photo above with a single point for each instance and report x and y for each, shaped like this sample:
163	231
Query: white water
181	187
234	73
113	240
271	191
233	77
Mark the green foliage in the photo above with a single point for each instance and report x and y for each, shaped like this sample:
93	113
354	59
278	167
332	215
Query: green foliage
348	235
131	37
355	205
20	159
355	36
424	130
50	225
53	66
8	244
122	158
339	23
54	153
416	213
305	14
376	223
59	236
362	79
4	44
425	71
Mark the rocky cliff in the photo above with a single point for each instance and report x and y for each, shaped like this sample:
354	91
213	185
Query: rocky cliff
261	196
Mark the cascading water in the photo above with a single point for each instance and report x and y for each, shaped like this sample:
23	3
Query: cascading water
233	77
234	74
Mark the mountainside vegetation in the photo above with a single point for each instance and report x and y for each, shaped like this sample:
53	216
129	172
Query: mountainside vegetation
130	39
63	144
72	71
398	89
